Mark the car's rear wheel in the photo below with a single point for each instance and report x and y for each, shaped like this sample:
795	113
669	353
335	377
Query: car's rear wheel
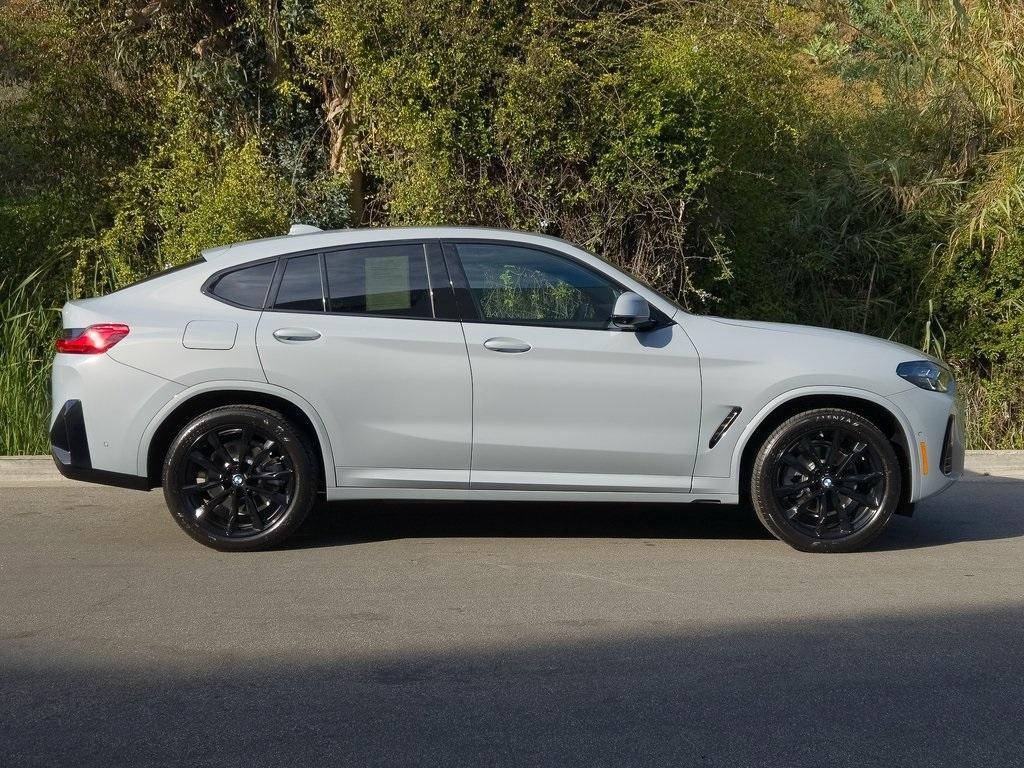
826	480
240	478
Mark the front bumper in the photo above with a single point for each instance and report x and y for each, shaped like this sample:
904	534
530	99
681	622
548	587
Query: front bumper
69	446
937	448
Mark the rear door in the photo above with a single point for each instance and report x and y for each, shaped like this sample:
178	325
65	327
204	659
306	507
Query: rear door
560	400
369	336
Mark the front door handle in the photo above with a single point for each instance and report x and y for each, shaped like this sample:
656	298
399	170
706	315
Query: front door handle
296	334
504	344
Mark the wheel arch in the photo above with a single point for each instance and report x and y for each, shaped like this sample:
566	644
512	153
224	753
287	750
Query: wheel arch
192	402
877	409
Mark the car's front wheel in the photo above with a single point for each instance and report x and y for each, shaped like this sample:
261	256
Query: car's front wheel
827	480
240	478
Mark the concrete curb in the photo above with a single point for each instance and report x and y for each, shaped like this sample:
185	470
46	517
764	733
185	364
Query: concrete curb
40	472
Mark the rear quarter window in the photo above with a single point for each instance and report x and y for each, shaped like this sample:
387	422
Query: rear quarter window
244	287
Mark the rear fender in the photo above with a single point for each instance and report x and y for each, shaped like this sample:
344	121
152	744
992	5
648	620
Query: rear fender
238	386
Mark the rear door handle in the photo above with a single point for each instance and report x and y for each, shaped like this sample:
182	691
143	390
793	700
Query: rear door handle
296	334
504	344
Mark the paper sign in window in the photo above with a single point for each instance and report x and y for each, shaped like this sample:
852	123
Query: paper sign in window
387	284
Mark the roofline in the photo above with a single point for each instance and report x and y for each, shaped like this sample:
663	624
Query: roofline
238	254
281	244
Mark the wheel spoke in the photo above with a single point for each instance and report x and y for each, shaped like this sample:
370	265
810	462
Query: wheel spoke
197	458
786	491
204	486
824	510
809	457
833	449
213	503
820	527
218	447
795	463
253	513
855	480
844	514
262	455
243	443
232	511
270	496
278	475
858	449
860	498
801	502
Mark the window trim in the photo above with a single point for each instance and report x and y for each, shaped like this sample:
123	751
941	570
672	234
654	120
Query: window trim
465	301
443	304
275	286
432	263
455	305
383	244
211	282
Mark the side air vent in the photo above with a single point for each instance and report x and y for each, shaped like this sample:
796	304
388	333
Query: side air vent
724	426
946	462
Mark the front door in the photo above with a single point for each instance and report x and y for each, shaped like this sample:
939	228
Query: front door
357	333
560	401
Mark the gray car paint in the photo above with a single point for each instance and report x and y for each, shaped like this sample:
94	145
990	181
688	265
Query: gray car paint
600	416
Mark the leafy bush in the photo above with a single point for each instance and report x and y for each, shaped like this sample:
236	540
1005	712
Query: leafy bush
850	164
193	190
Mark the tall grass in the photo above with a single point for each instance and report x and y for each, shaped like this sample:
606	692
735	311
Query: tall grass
28	326
993	410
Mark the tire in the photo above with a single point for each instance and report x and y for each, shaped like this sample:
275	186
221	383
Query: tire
826	480
240	478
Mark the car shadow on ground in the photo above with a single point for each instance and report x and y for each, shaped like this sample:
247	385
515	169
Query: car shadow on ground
356	522
919	689
969	512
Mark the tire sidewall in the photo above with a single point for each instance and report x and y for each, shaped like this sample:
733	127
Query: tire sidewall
771	512
268	422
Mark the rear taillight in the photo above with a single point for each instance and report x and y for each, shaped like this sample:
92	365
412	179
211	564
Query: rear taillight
92	340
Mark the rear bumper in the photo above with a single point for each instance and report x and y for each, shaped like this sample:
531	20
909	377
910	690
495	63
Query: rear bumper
69	446
104	431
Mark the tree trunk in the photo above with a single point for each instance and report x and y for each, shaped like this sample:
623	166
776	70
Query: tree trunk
343	158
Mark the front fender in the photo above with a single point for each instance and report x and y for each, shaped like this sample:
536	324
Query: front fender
741	440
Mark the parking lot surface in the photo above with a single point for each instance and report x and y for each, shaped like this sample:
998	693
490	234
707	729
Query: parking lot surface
504	634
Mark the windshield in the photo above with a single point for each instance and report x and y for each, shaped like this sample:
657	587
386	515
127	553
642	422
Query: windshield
640	280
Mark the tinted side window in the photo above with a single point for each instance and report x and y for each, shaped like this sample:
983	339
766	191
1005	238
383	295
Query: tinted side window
379	280
301	290
516	284
247	286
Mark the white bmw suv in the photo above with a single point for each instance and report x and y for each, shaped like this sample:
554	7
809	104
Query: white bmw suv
458	363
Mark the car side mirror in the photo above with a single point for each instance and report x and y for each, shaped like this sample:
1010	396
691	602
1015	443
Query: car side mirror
631	312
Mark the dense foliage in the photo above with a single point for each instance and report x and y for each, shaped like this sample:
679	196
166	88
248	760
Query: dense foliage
855	163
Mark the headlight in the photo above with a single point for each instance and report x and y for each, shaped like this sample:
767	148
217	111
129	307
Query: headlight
926	375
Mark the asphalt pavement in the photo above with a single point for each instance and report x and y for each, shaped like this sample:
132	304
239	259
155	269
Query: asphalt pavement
504	634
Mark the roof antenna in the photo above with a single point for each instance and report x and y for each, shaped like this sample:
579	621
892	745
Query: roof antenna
303	229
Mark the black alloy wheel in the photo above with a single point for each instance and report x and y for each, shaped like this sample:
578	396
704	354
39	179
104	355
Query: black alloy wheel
239	478
826	480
